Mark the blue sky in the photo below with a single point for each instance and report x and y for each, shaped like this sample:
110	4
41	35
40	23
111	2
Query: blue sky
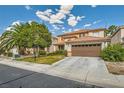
62	19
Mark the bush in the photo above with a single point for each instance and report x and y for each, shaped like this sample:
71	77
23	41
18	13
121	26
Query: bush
41	53
9	54
59	52
114	53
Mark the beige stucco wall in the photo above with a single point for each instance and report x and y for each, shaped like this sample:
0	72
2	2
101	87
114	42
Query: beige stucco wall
104	44
52	48
122	34
96	34
116	38
68	48
59	39
101	34
90	34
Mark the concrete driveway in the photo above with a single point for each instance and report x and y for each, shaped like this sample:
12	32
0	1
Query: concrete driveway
90	70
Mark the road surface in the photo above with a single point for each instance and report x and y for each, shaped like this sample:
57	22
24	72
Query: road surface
11	77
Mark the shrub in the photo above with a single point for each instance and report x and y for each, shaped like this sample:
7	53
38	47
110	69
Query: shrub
9	54
114	53
42	52
59	52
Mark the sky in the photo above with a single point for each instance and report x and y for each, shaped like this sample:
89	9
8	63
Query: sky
62	19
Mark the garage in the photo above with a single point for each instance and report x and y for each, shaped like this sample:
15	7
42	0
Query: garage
87	50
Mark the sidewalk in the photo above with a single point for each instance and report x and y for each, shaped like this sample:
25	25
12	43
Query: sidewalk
85	70
25	65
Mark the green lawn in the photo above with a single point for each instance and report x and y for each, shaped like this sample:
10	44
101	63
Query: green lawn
43	60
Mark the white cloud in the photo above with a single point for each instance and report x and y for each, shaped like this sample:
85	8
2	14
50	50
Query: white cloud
64	31
30	21
53	32
55	27
87	25
98	21
28	7
63	27
16	22
57	18
93	6
13	23
61	14
70	30
48	12
42	16
52	18
80	17
93	23
76	29
73	20
65	9
67	31
8	28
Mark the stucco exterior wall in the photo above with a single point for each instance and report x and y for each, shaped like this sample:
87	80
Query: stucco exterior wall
68	48
59	39
122	35
116	38
96	34
101	34
104	44
52	48
90	34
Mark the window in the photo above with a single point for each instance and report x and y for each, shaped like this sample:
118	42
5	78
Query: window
79	35
82	35
96	34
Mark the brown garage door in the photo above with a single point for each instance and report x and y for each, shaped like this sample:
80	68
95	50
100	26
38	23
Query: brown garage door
89	50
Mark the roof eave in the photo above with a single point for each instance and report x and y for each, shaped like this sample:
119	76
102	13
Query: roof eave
106	40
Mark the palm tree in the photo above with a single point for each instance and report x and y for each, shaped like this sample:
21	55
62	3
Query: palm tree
26	35
11	38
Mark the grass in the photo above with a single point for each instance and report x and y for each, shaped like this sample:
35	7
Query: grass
43	60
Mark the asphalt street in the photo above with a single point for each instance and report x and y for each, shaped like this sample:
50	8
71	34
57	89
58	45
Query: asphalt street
11	77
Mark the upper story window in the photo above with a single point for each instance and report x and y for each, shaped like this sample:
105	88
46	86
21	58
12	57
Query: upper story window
82	35
96	34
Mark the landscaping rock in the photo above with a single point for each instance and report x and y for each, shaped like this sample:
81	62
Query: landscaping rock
115	68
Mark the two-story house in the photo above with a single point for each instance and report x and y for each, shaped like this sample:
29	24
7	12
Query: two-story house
87	42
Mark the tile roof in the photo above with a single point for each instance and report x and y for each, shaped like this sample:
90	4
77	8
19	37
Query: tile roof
72	36
59	43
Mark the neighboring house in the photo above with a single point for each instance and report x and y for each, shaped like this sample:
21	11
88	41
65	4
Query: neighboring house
52	48
87	42
118	36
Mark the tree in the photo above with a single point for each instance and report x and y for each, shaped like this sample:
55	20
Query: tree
113	53
111	30
26	35
11	38
40	37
